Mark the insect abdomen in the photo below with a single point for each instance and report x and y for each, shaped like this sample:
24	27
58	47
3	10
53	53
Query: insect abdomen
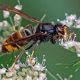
8	46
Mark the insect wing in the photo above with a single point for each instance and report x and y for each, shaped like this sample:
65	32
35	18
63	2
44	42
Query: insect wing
10	9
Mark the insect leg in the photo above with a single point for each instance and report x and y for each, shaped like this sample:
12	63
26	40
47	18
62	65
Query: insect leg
33	51
30	46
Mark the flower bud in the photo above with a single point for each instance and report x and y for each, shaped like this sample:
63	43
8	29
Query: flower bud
19	7
6	14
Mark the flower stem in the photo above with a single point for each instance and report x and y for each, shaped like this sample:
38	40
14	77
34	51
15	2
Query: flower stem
54	78
59	77
11	20
19	2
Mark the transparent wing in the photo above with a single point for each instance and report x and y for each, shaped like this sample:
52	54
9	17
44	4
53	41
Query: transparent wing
24	15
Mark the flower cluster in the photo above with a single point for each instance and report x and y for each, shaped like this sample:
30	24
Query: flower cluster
71	44
71	21
15	22
31	69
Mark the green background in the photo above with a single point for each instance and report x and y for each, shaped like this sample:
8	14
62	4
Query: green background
54	9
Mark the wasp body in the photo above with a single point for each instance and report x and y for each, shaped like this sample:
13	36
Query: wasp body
44	32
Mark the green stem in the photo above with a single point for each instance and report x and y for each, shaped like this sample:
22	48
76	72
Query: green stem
59	77
19	2
11	20
53	77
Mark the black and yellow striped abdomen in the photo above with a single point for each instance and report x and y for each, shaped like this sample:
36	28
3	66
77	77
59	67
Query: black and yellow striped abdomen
14	46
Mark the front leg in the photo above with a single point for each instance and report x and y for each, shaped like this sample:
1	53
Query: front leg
54	38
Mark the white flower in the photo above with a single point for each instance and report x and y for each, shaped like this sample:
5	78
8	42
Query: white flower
35	78
3	71
58	20
9	74
66	14
5	23
78	53
17	67
22	74
6	14
77	26
28	77
77	47
38	67
1	24
19	78
78	22
17	17
35	73
30	61
71	17
7	79
19	7
27	52
63	22
69	23
33	61
22	65
17	20
42	76
70	44
67	44
24	70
